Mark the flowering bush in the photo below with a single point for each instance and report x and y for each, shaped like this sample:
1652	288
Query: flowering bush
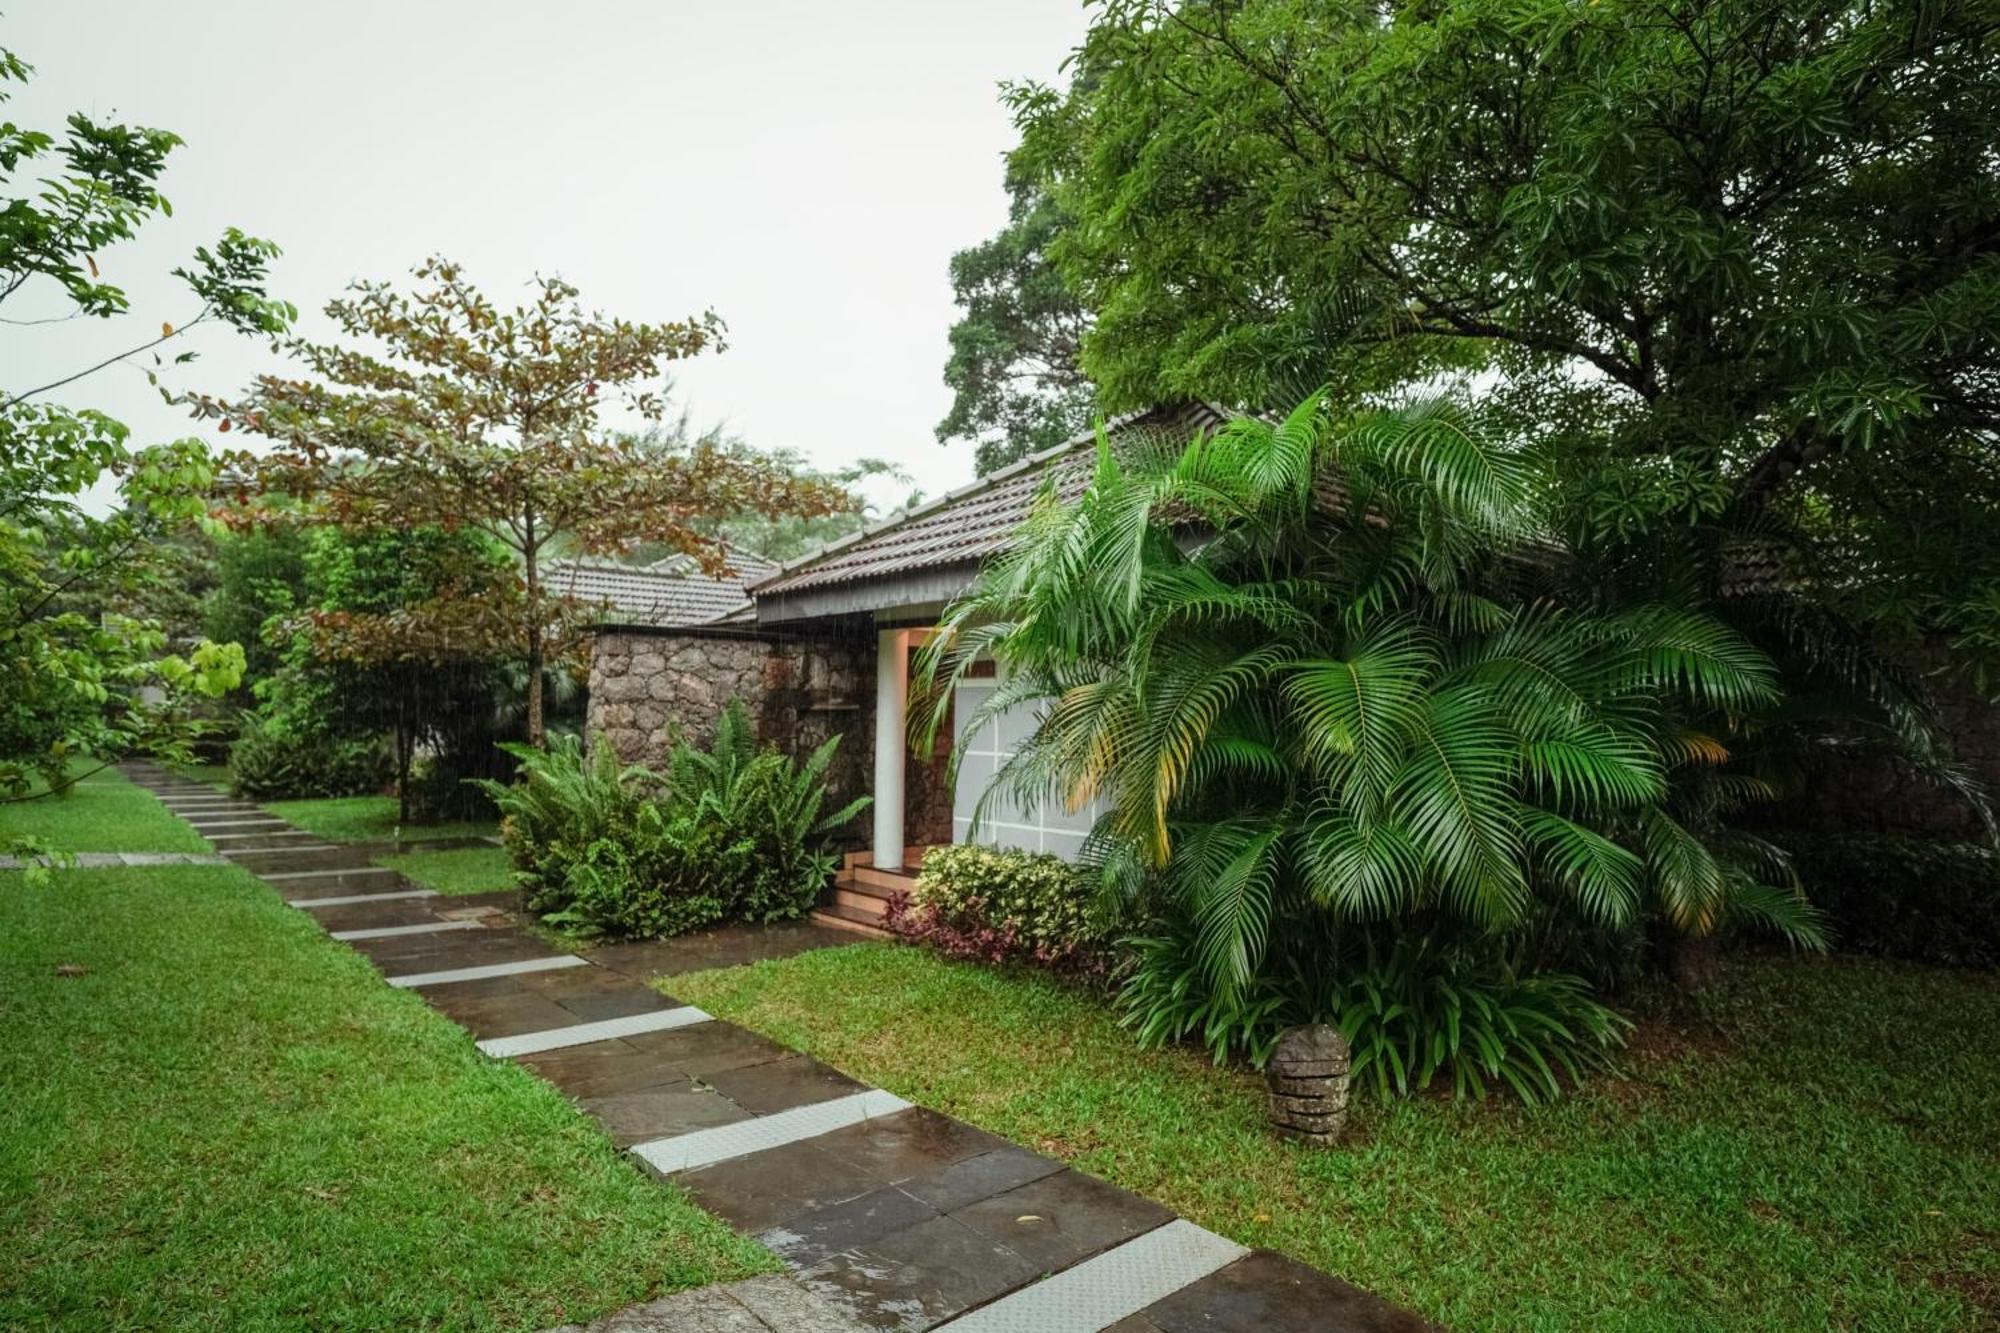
999	906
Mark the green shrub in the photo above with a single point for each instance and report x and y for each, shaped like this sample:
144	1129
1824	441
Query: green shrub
266	763
1003	906
609	849
1921	899
1414	1011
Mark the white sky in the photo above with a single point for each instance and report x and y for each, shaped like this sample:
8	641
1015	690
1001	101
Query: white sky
806	169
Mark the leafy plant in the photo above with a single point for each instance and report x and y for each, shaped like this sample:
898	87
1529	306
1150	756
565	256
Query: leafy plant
606	848
1003	906
266	763
1335	670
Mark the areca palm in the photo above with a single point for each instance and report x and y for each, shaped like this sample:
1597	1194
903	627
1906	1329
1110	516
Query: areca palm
1331	669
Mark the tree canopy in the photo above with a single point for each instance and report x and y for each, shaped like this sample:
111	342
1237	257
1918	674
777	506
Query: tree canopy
1737	263
455	413
1017	384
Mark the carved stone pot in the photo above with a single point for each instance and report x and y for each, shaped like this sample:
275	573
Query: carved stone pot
1308	1077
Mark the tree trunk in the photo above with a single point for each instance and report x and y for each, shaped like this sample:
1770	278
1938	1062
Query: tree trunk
1691	961
532	575
404	745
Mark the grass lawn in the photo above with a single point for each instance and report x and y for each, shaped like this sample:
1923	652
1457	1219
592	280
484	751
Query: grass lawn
102	813
215	775
229	1122
367	819
1817	1151
459	870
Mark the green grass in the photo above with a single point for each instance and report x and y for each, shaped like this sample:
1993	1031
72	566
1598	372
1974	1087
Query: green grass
215	775
102	813
367	819
1817	1151
230	1122
460	870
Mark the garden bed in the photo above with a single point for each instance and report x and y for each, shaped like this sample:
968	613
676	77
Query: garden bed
1814	1152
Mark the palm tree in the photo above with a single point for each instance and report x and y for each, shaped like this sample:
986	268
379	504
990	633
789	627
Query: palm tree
1334	671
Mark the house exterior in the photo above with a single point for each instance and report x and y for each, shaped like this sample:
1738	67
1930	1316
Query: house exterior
823	646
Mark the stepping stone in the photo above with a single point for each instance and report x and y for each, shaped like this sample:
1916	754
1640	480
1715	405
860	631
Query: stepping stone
915	1278
708	1049
1269	1291
280	850
684	1152
601	1069
1099	1292
395	932
596	995
812	1237
647	1115
374	913
350	899
449	976
980	1177
502	1007
1063	1218
581	1034
204	825
780	1085
918	1144
771	1188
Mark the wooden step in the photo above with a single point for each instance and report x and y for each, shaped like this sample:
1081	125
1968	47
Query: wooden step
841	917
912	858
861	898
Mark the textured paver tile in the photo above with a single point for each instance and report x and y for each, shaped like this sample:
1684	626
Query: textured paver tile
1111	1286
765	1189
1268	1291
661	1112
779	1085
980	1177
919	1276
1063	1218
685	1152
459	976
583	1034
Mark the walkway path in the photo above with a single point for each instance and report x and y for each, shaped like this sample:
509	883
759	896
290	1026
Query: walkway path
896	1216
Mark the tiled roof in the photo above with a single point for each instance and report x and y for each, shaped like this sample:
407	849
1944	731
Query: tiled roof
968	525
672	592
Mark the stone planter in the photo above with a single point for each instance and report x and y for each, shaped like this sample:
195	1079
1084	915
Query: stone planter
1308	1078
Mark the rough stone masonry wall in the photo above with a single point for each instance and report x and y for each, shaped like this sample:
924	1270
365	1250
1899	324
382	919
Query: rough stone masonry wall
647	689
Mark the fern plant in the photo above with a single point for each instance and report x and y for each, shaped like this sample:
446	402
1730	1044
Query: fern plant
1332	669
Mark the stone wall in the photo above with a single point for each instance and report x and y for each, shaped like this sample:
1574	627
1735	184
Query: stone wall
1871	791
649	688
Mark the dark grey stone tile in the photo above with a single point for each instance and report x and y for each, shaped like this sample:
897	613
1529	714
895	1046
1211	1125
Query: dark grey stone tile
452	949
766	1189
370	916
726	946
779	1085
660	1112
820	1233
593	994
1063	1218
1137	1323
701	1050
980	1177
918	1277
601	1068
1268	1291
498	1014
910	1144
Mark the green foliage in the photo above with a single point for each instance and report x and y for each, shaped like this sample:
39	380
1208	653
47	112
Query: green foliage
611	849
1368	693
268	763
1014	373
1733	263
1905	897
1004	905
76	657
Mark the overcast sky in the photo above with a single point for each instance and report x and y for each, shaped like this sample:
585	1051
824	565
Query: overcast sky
805	169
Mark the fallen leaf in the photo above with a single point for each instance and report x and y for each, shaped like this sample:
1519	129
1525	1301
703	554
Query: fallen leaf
1028	1217
71	970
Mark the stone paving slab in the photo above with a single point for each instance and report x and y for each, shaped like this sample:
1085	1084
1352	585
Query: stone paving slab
684	1152
452	976
109	860
1115	1285
582	1034
772	1304
1265	1291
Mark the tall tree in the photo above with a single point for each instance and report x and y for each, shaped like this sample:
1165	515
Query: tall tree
1739	261
471	415
71	657
1016	380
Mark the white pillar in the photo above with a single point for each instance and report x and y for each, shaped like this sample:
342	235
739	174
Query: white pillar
892	682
